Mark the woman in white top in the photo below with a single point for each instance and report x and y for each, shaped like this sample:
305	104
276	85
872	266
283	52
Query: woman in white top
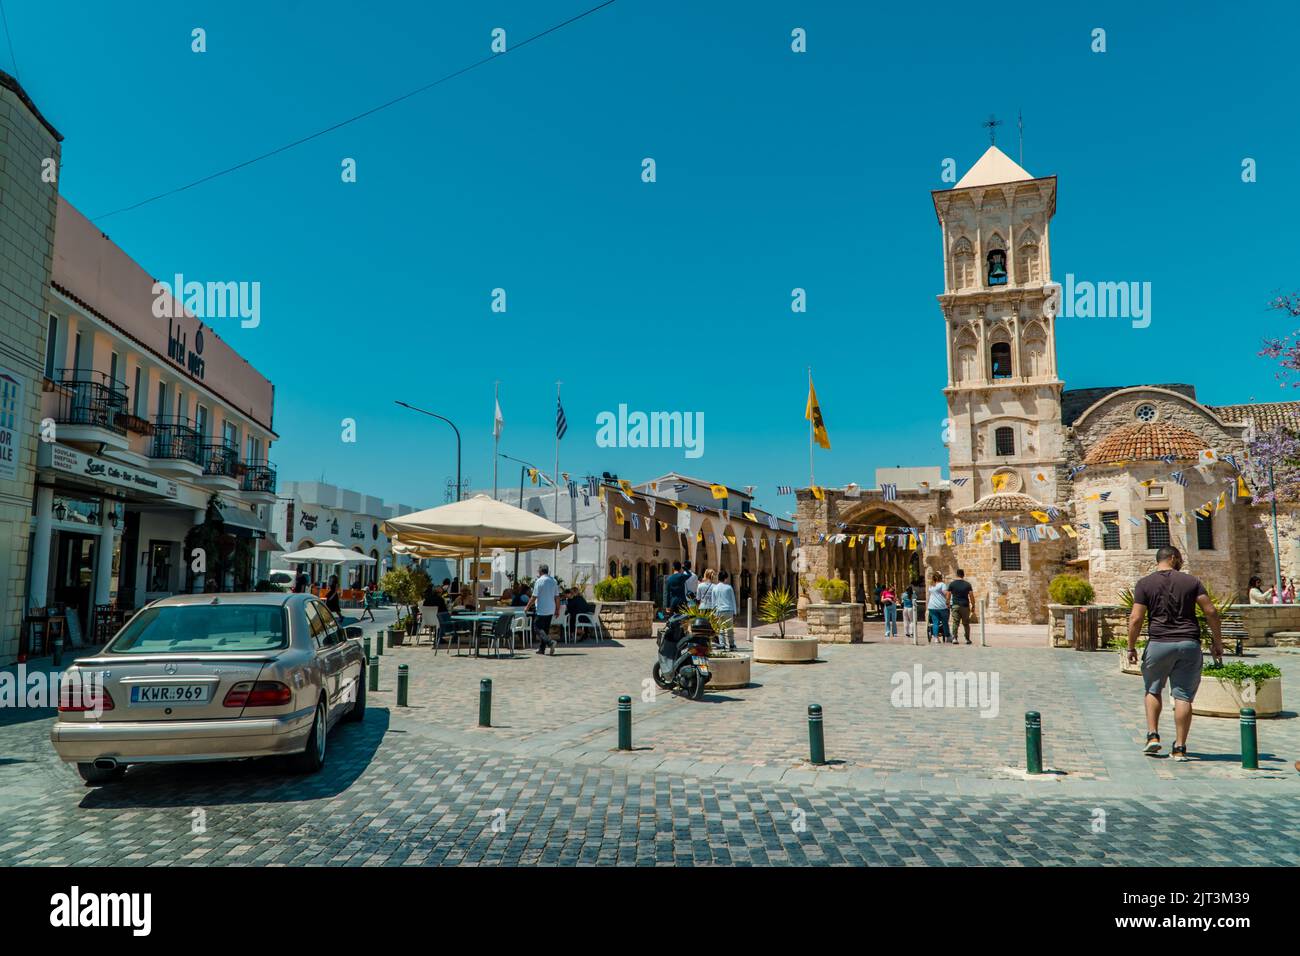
704	589
1257	594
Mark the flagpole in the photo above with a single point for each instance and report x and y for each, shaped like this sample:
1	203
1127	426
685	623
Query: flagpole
555	507
812	480
496	435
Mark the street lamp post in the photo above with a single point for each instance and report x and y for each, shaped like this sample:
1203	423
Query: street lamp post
1277	557
453	428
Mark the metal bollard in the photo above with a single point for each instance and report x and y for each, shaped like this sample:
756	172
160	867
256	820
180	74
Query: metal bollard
1033	742
1249	740
816	737
403	684
373	684
379	643
625	723
485	702
365	644
57	650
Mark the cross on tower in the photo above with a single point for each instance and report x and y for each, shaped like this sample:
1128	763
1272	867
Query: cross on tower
992	123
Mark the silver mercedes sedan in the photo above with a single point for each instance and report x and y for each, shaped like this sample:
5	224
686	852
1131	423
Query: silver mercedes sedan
212	677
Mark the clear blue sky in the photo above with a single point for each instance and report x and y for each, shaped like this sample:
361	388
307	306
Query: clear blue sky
775	170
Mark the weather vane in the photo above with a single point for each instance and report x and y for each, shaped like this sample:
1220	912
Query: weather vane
992	124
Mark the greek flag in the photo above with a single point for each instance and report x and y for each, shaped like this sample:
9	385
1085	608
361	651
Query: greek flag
1179	478
561	424
959	481
889	491
593	483
573	489
1168	459
1075	470
679	488
784	490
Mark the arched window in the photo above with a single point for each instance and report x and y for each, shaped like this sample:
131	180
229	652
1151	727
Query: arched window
967	357
1027	259
1004	441
963	264
1033	360
1000	354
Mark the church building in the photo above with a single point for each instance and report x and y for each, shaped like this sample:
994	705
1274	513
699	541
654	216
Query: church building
1045	479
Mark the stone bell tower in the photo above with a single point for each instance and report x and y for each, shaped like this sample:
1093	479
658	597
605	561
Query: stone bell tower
1004	396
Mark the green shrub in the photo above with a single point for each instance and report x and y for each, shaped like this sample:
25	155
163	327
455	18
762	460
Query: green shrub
833	589
1070	589
1238	672
615	589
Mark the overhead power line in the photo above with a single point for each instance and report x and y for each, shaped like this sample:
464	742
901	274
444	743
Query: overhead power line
352	119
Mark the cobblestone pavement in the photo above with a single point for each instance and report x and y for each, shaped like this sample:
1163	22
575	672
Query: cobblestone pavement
722	781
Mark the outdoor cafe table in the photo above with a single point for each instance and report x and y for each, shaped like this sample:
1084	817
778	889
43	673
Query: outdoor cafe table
481	618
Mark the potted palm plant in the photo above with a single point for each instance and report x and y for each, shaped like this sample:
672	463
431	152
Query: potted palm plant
777	607
833	590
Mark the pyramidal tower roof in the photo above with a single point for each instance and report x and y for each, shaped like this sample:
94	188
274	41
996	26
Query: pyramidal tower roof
992	168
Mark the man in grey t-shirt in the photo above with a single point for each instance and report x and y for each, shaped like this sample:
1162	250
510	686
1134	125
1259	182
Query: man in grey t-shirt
1167	600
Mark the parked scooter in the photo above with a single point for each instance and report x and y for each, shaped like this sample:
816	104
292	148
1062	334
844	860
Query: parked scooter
683	662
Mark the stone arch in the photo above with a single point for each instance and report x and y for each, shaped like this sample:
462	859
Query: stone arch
966	356
1033	355
963	264
1028	258
870	563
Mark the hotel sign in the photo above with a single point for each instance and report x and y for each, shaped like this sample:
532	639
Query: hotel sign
72	462
11	423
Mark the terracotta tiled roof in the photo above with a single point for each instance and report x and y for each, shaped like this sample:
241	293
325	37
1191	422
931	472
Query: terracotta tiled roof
1266	415
1144	441
1003	503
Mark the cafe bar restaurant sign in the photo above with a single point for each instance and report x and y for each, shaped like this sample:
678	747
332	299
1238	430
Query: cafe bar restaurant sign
72	462
11	423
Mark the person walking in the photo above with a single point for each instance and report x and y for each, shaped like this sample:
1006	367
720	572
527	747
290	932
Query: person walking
545	594
891	612
909	613
1167	600
676	588
936	608
723	600
332	597
963	599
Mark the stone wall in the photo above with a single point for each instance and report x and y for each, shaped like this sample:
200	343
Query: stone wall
835	623
28	207
626	620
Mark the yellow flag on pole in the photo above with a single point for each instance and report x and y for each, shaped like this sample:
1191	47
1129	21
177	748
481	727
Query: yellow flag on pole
813	413
719	491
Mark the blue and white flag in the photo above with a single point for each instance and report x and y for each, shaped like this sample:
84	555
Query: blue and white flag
784	490
1179	478
1075	470
561	424
679	488
593	484
959	481
889	490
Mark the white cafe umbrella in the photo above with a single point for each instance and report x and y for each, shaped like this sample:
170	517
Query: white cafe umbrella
478	522
327	552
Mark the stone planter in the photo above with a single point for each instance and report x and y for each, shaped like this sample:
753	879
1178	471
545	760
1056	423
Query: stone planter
625	620
835	623
396	637
728	672
1217	697
790	650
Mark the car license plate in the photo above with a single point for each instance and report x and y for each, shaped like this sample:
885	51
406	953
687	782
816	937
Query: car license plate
152	695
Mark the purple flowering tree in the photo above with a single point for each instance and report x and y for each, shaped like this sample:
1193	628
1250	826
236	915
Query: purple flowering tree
1277	449
1286	350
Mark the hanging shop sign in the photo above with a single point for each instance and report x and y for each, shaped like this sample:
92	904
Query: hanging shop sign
72	462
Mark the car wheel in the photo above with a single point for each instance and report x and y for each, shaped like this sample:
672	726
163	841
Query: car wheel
312	757
358	710
92	774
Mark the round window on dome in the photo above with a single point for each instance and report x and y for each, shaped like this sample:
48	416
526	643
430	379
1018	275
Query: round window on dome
1146	412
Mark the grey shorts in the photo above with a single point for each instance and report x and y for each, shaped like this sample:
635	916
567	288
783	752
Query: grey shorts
1178	662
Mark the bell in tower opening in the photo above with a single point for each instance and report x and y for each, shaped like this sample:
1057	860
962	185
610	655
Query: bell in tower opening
997	267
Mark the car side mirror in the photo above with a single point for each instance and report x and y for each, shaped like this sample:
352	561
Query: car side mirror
353	630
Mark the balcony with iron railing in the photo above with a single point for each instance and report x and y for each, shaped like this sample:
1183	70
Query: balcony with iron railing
176	439
90	399
220	460
259	477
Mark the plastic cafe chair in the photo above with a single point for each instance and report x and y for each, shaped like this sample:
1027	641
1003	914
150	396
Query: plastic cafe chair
502	634
521	631
588	621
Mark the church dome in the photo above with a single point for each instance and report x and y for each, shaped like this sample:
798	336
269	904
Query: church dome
1144	441
1001	504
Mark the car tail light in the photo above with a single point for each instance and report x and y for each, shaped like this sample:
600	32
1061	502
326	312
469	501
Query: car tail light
262	693
77	697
